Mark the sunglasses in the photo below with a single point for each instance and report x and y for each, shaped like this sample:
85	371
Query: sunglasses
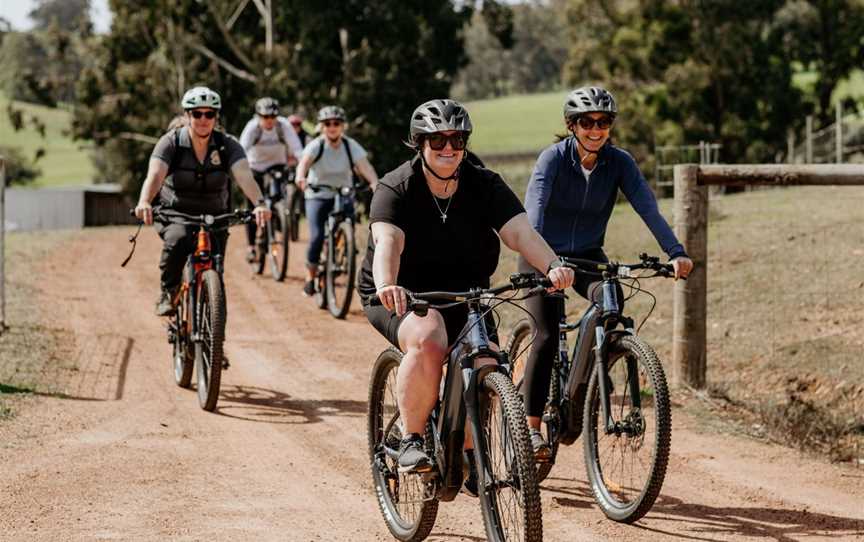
332	123
198	114
437	142
586	123
268	116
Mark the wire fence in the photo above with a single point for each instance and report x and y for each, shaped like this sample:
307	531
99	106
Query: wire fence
840	142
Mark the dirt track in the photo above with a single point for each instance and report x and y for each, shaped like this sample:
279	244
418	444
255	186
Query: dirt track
123	454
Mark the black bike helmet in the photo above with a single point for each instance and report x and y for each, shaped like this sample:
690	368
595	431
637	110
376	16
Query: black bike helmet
589	100
267	106
331	112
439	116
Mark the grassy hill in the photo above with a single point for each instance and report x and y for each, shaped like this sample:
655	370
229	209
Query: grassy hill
66	162
516	124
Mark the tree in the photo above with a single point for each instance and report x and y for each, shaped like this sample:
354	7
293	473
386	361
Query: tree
379	60
19	169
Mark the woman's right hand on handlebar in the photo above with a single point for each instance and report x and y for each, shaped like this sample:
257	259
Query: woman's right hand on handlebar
393	298
561	278
301	183
144	211
262	215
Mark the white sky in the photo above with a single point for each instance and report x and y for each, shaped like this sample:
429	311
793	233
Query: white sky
15	11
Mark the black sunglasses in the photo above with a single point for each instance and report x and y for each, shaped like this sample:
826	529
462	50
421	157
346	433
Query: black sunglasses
586	123
210	114
268	116
332	123
437	142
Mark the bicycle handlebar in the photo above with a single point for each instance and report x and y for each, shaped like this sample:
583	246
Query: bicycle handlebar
419	302
620	270
237	216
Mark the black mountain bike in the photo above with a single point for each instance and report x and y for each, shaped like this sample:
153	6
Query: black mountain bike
334	284
612	389
271	242
197	329
486	397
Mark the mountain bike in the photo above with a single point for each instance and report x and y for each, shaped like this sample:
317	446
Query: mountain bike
294	205
334	283
486	398
613	389
197	329
271	242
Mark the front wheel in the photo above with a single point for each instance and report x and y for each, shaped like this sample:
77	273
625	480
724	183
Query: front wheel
627	465
211	336
278	234
341	270
507	482
295	210
407	503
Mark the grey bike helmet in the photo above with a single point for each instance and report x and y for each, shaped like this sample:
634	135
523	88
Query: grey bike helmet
267	106
439	116
589	100
331	112
201	97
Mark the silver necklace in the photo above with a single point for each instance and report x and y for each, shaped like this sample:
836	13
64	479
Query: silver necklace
449	201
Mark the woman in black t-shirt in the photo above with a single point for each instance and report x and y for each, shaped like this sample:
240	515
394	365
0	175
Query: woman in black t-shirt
434	222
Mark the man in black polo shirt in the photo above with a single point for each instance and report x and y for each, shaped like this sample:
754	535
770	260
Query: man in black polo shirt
191	169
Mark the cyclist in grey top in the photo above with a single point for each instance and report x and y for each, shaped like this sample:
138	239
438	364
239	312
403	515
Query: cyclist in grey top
327	159
190	171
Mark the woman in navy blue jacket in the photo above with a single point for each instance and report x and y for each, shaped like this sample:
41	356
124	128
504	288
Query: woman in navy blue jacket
569	200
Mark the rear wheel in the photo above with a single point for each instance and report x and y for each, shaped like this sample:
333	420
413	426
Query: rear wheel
208	348
518	347
278	238
295	210
626	467
341	270
184	353
408	504
260	251
509	493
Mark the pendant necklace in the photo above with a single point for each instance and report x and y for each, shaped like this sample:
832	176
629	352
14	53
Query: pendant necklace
447	208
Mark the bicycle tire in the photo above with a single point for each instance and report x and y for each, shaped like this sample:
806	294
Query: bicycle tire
278	239
184	356
341	270
518	352
208	350
295	211
511	462
321	277
626	500
407	518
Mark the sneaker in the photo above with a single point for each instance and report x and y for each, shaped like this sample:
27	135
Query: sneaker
470	485
309	288
542	451
251	256
412	456
165	304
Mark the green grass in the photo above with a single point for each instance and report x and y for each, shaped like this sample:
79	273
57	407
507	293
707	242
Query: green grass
515	124
66	162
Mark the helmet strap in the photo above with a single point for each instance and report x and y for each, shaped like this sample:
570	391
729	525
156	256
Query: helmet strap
588	151
426	166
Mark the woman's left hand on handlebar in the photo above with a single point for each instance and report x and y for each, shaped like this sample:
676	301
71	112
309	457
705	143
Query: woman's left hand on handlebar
262	215
561	278
393	298
682	266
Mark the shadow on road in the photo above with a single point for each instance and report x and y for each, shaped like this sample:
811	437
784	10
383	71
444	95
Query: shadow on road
703	521
258	404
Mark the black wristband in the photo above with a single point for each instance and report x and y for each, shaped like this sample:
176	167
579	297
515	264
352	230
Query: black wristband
261	201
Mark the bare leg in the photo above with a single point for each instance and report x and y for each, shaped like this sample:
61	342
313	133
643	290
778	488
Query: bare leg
424	342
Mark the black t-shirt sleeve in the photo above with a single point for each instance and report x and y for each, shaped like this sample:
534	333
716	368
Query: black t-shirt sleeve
503	204
386	206
164	149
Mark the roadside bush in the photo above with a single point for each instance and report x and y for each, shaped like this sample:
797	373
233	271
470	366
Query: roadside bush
19	169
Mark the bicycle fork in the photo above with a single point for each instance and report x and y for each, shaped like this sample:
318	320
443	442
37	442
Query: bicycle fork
601	358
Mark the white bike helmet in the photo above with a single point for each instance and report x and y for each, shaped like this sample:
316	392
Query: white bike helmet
201	97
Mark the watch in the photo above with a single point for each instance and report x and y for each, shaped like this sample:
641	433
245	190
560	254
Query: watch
553	264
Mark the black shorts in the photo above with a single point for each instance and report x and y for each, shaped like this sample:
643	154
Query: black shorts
387	323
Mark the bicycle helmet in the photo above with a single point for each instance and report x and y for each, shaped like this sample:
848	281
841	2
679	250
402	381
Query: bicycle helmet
589	100
267	107
439	116
331	112
201	97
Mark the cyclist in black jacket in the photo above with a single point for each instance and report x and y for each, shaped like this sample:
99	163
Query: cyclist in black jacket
435	225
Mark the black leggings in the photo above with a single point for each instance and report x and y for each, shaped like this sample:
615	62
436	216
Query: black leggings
547	313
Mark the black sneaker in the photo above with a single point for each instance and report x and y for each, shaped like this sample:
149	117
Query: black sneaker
542	451
470	485
309	288
165	304
412	456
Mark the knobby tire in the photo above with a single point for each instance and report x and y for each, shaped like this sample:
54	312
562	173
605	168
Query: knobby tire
341	270
208	350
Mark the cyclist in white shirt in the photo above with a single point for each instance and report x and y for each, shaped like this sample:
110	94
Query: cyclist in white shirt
269	141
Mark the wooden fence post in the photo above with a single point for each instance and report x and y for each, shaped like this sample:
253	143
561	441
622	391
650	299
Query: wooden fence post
690	299
838	134
809	140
